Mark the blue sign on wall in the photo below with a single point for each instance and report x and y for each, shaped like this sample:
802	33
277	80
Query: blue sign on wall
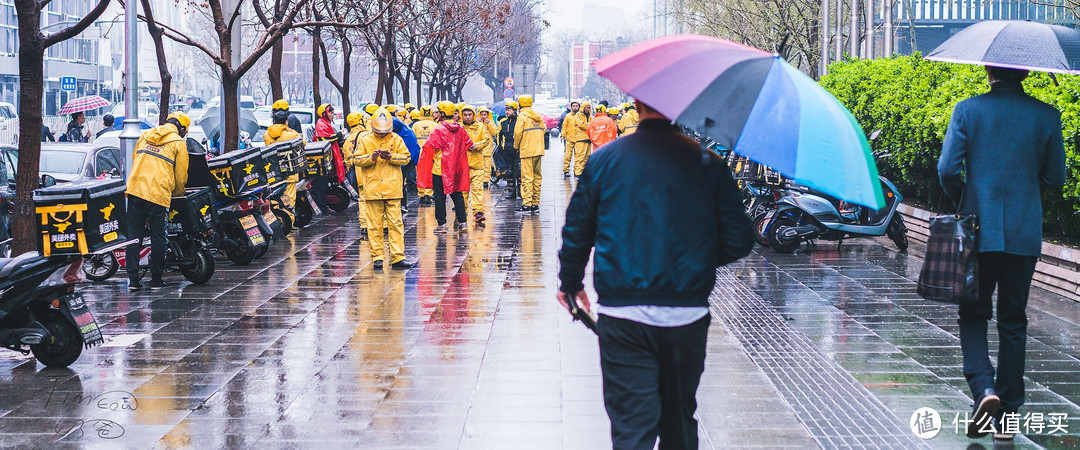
67	83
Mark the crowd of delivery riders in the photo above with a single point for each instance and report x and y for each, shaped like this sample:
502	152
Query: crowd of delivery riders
442	150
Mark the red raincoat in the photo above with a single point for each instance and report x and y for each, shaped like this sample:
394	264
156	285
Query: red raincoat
602	129
454	141
325	131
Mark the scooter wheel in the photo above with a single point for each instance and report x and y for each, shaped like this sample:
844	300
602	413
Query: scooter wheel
66	344
897	231
761	225
337	199
245	253
201	269
778	243
260	250
99	268
304	214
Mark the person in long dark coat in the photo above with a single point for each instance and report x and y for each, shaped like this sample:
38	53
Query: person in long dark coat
1001	150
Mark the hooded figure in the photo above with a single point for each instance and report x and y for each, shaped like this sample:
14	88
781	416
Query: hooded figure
380	154
629	121
159	171
324	131
444	166
355	121
602	129
281	131
529	134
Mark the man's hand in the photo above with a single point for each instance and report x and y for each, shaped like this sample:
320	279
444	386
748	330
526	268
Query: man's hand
375	156
386	154
581	297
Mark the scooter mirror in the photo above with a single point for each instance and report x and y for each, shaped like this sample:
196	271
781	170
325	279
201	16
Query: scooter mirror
874	135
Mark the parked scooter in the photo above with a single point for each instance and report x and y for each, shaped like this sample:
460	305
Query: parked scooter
40	309
804	214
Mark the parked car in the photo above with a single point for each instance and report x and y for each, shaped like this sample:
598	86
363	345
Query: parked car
8	162
8	111
147	111
68	161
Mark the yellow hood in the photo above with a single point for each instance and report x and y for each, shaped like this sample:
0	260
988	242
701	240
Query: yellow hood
159	136
275	130
531	114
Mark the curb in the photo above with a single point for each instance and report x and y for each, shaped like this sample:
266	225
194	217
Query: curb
1057	271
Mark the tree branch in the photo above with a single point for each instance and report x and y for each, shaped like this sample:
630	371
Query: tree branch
74	30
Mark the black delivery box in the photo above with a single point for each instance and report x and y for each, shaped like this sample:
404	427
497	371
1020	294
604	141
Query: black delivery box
290	157
238	171
319	155
80	218
193	213
271	165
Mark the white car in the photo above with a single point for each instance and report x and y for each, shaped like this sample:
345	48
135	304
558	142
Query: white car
8	111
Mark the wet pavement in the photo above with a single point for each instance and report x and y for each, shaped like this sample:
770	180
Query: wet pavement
309	347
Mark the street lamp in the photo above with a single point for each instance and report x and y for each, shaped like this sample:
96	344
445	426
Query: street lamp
130	133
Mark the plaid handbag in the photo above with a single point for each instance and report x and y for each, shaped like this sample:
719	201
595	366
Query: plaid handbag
950	272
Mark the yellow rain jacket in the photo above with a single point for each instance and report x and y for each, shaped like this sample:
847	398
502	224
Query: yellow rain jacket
348	151
529	133
159	168
382	179
482	139
279	132
574	125
629	122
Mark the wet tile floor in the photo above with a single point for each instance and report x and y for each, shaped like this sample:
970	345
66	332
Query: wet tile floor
310	348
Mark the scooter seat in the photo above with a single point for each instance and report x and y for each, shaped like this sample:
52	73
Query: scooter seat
9	265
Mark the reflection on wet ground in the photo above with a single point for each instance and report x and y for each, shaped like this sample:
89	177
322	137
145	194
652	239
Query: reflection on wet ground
311	347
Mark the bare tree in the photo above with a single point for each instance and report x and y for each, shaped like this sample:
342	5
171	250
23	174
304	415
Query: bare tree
32	46
156	33
787	27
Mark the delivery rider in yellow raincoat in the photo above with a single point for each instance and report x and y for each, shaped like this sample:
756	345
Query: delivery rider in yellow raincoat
159	171
355	123
482	144
380	154
278	132
529	140
493	130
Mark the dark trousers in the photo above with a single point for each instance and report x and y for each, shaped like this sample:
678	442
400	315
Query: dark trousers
140	215
1011	276
408	173
320	187
651	376
440	202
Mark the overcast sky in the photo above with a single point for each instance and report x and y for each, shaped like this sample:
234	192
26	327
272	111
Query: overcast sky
566	14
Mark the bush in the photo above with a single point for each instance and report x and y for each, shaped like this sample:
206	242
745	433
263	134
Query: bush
911	100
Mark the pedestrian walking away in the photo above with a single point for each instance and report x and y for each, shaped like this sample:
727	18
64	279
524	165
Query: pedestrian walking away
529	131
380	154
602	129
478	132
1001	150
159	171
652	293
444	167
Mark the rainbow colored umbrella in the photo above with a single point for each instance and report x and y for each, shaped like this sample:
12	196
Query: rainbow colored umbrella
756	104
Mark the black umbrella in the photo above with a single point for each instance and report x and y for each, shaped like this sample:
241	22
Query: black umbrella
1014	44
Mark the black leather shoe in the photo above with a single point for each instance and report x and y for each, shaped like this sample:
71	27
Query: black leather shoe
986	407
524	209
401	265
377	264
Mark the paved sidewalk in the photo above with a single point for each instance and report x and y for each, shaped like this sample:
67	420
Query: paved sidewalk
310	348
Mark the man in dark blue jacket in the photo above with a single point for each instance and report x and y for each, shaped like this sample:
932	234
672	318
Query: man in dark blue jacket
662	215
1001	150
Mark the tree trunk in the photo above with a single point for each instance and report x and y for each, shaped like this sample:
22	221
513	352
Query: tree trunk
163	66
418	76
382	81
31	87
346	102
274	72
316	41
230	87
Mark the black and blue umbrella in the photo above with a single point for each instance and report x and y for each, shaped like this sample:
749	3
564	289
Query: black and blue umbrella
1014	44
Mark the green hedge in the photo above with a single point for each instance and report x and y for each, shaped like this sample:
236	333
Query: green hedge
911	100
